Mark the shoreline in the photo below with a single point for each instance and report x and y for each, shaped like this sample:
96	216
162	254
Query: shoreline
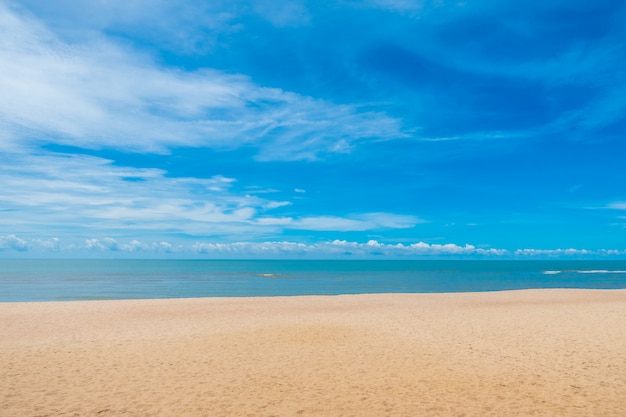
557	352
279	296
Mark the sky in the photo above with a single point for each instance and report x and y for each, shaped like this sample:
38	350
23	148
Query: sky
313	129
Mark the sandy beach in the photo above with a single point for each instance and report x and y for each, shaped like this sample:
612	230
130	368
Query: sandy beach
519	353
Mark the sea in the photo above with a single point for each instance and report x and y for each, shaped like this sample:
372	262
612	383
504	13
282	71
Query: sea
26	280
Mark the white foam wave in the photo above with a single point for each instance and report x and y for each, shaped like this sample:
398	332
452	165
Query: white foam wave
551	272
601	271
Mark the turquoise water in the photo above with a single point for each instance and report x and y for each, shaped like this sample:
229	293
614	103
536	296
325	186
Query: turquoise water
57	280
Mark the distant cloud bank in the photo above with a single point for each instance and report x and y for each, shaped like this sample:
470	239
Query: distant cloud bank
95	247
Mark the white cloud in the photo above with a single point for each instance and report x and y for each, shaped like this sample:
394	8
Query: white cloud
83	192
354	223
342	248
618	205
449	248
557	252
108	244
164	246
53	244
99	94
102	244
69	195
287	249
12	242
134	246
252	248
276	204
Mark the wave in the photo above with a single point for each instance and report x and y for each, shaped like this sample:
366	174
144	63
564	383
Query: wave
586	271
269	275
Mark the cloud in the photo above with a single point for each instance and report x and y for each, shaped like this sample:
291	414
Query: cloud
108	244
101	95
618	205
72	194
164	246
102	244
175	25
360	222
52	244
78	192
12	242
252	248
560	252
335	248
343	248
289	249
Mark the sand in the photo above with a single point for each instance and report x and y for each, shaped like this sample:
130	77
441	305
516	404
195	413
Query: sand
519	353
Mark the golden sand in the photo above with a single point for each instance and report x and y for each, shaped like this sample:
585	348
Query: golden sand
520	353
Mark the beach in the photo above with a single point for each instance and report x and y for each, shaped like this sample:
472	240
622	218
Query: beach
512	353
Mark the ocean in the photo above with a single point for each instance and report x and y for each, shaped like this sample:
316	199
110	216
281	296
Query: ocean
63	280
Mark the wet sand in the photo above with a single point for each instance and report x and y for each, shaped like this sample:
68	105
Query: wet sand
518	353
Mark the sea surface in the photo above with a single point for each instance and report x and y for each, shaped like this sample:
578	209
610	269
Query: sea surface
61	280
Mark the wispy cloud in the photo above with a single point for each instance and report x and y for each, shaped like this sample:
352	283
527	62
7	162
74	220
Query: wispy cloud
55	191
100	95
618	205
359	222
60	191
178	25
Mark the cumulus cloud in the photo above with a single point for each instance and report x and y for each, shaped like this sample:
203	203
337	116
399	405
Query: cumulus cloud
289	249
53	244
164	246
15	243
419	248
342	248
12	242
102	95
555	252
102	244
253	248
108	244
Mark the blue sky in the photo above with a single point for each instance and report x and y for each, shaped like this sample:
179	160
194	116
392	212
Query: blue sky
376	128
